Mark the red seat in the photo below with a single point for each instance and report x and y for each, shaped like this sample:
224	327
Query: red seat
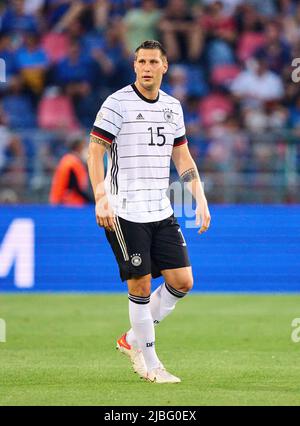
57	113
215	108
224	74
56	46
248	44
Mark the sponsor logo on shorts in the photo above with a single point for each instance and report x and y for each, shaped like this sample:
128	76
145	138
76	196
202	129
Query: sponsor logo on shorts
136	259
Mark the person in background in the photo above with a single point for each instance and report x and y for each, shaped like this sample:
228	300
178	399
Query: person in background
32	63
70	182
141	24
16	19
12	159
180	33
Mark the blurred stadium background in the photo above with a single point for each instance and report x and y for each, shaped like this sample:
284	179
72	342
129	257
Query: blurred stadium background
231	70
231	67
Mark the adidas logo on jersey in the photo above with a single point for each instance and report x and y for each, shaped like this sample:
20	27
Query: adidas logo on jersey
140	117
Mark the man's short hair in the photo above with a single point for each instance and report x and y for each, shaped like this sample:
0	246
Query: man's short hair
152	44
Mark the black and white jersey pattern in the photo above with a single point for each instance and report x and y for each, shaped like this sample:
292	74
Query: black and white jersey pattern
142	134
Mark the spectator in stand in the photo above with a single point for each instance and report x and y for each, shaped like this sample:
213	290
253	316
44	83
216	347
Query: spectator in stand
287	7
177	85
114	47
291	24
248	19
91	46
257	84
12	158
70	182
118	8
62	13
81	76
217	24
77	72
180	33
229	6
228	146
16	20
269	117
32	63
8	55
34	7
266	8
275	50
194	128
141	24
18	106
220	31
250	27
98	68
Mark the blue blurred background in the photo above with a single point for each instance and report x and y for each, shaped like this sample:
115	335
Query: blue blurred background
230	66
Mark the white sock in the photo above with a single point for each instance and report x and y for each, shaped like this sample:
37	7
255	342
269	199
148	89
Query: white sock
143	329
162	303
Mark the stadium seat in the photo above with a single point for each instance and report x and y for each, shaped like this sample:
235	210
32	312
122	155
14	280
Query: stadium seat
19	111
196	83
214	108
248	44
57	113
223	75
56	46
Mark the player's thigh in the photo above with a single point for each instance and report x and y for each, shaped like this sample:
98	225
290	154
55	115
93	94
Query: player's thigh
139	285
131	244
179	278
169	249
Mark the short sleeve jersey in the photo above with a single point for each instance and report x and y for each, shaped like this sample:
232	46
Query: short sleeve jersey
142	134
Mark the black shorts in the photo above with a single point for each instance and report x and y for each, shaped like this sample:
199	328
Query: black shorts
148	248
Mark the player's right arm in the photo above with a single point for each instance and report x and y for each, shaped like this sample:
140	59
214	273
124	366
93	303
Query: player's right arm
106	128
104	213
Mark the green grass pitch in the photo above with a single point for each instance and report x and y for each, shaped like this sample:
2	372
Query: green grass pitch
227	349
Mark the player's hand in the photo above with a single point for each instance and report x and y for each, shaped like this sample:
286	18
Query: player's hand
203	216
104	214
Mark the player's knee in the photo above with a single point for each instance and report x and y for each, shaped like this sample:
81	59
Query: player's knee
140	286
186	284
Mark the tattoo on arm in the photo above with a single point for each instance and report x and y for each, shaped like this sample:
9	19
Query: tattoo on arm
99	141
189	175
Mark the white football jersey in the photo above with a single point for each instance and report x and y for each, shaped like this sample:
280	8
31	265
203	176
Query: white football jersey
141	134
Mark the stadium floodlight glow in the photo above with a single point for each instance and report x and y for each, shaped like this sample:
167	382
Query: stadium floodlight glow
2	71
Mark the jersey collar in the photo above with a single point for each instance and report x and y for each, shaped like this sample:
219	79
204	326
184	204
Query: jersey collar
150	101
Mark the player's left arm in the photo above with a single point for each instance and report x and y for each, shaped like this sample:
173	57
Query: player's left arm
188	172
